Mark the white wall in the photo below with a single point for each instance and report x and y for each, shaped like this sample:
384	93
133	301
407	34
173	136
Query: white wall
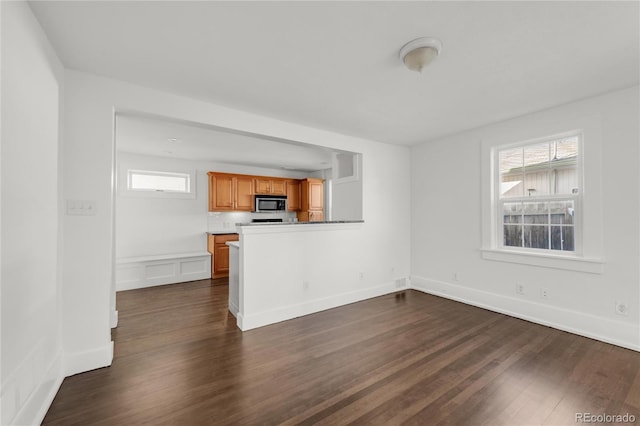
447	225
31	344
90	102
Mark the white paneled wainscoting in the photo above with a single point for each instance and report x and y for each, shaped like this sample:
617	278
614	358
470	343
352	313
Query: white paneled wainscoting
147	271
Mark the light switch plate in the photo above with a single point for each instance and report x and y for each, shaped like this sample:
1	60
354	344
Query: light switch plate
81	207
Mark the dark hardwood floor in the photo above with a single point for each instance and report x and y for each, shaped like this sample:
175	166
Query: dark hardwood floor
412	359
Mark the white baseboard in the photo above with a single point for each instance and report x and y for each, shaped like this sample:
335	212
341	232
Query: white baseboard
149	271
254	320
80	362
28	392
40	400
233	308
114	318
604	329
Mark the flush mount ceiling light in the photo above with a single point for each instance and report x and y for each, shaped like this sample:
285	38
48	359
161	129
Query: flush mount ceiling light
419	53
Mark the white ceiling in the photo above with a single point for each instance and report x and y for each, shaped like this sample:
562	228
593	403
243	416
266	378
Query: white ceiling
334	65
165	138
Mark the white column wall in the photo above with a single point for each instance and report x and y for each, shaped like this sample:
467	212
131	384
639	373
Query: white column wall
31	351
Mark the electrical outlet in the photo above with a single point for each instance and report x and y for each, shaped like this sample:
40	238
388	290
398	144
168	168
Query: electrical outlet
305	285
544	293
400	282
621	308
520	289
361	276
456	277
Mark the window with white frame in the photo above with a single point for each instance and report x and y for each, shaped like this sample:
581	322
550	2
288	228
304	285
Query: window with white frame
138	182
145	180
538	195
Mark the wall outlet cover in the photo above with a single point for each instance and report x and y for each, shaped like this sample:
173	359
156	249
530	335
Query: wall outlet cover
621	308
544	293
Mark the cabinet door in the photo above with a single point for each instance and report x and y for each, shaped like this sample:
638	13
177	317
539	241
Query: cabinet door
316	216
262	185
221	261
220	254
316	195
221	192
244	194
293	195
278	187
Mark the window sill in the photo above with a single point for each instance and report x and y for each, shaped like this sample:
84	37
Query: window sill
570	263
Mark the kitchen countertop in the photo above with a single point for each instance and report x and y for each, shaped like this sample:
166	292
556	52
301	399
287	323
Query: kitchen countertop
221	233
299	223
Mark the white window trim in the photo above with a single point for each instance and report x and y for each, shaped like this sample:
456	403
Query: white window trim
589	237
123	183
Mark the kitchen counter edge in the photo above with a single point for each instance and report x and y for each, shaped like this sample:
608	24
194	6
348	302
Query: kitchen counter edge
300	223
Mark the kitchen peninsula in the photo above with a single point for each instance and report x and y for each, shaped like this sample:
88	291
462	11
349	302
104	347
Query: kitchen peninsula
280	271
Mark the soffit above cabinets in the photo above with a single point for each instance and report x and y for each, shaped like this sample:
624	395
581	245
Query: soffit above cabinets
165	138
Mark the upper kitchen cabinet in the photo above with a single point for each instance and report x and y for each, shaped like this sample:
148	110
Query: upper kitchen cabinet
228	192
294	201
312	200
272	186
244	193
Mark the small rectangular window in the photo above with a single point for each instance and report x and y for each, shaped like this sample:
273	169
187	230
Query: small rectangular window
539	194
145	180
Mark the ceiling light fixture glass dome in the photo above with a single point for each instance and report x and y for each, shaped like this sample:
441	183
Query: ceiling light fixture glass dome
420	52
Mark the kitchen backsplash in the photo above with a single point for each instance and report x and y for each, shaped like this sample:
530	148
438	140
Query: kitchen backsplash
226	222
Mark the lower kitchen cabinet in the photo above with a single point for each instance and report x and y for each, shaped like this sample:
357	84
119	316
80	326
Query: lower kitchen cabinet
216	245
311	216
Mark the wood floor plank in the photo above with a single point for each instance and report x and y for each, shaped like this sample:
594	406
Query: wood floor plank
406	358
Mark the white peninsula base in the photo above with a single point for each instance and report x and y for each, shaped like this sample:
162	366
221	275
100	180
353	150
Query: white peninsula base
234	276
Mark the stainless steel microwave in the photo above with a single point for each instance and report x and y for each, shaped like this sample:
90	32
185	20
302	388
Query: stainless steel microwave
270	203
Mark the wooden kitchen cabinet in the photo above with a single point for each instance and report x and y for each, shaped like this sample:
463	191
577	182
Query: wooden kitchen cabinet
216	245
312	200
229	192
220	192
271	186
292	188
311	216
244	193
